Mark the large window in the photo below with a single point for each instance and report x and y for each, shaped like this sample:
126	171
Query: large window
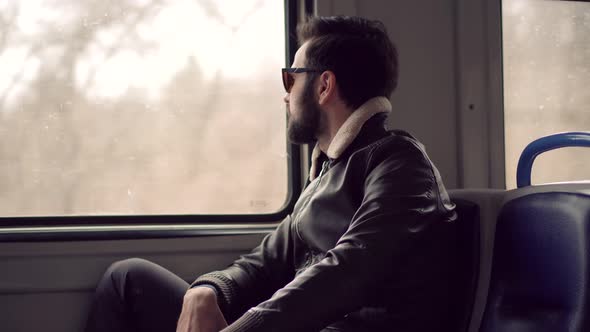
546	83
142	107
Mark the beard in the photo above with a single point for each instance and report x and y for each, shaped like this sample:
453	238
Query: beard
304	128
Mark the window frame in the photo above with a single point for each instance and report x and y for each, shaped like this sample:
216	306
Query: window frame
480	94
497	131
87	227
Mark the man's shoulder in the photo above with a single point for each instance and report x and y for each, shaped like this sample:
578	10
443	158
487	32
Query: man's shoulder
398	143
395	153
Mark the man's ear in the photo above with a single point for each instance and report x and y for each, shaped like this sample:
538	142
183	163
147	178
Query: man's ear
326	87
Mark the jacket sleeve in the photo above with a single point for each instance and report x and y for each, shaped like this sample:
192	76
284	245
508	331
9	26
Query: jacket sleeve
255	276
399	203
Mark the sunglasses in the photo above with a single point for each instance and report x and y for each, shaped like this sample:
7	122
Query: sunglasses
289	80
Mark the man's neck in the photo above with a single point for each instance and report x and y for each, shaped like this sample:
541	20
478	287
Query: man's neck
334	118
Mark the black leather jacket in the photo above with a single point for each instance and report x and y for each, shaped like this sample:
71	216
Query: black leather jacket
362	250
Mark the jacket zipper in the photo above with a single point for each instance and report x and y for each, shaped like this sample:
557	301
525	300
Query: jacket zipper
325	166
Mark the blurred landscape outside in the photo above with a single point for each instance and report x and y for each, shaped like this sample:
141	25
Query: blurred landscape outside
142	107
546	84
175	106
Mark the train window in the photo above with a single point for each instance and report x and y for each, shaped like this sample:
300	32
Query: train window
546	79
142	107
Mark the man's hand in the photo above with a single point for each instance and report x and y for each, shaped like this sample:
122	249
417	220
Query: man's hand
200	312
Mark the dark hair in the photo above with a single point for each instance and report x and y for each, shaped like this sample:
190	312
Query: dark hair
357	50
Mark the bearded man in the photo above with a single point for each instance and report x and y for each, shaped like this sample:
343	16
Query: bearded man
363	248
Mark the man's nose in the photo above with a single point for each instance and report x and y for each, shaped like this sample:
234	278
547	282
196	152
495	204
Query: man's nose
286	98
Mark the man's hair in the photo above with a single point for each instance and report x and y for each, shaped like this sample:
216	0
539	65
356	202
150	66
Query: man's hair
358	52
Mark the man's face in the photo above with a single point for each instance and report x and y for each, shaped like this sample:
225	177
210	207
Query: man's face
303	109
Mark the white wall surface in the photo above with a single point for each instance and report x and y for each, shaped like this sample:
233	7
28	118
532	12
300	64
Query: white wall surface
445	89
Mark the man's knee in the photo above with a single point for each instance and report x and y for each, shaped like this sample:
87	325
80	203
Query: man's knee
128	266
119	274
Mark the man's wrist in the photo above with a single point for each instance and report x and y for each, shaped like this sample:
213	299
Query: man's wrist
200	297
202	291
206	286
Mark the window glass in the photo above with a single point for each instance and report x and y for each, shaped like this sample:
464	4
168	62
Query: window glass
142	107
546	84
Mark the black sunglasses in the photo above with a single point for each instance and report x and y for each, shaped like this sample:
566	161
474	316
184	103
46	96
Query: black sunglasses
289	80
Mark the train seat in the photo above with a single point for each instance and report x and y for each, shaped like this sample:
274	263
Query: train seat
541	260
532	241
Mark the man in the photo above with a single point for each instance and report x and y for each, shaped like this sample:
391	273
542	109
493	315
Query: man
363	248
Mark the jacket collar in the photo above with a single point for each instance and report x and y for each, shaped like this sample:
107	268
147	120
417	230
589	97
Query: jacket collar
349	131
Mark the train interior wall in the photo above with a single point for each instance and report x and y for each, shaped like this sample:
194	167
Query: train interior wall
48	285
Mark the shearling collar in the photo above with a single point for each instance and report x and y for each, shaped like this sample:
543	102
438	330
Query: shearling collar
349	130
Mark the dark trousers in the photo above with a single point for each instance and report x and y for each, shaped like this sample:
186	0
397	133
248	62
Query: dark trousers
136	295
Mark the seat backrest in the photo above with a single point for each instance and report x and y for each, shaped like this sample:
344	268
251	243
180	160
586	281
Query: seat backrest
465	264
489	202
541	266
